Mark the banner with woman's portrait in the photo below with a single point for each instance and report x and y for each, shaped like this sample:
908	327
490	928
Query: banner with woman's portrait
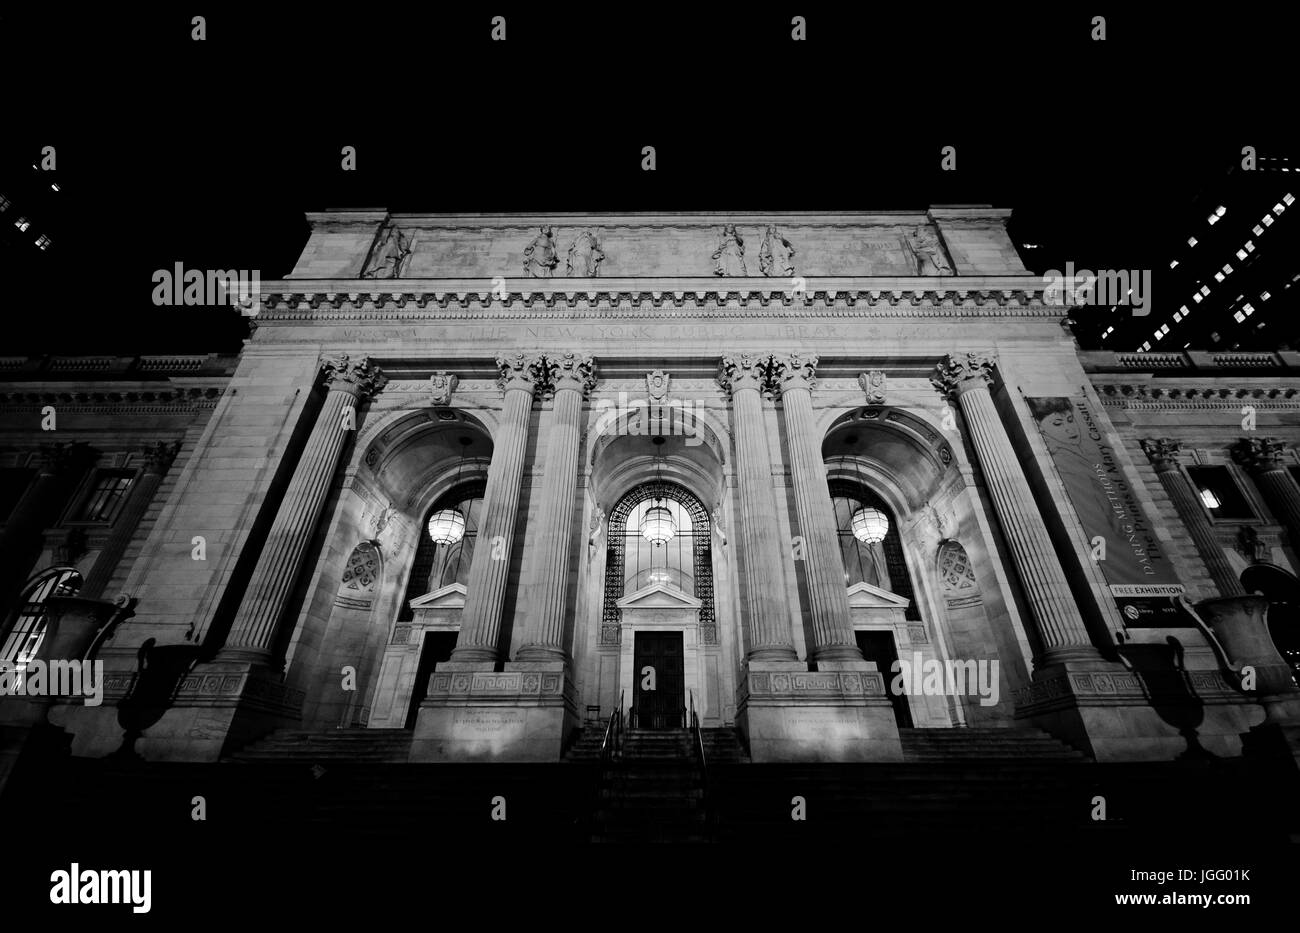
1122	539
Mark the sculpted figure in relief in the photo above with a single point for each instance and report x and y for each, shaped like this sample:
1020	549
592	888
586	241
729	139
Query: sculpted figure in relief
540	257
927	253
585	256
776	255
729	257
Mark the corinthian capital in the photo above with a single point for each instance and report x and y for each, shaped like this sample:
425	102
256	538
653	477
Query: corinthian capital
959	372
353	374
743	371
1259	454
158	457
1162	452
792	371
521	371
571	371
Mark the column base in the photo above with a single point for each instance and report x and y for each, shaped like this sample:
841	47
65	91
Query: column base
1115	714
524	713
788	713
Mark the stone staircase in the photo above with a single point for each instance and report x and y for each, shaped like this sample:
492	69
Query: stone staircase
721	744
330	745
653	793
1020	744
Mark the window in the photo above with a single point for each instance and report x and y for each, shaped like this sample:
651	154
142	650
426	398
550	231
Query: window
13	484
439	565
27	629
684	561
1219	493
22	223
43	242
106	496
4	204
882	564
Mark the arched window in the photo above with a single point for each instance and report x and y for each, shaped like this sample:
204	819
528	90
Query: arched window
27	625
880	564
683	559
439	565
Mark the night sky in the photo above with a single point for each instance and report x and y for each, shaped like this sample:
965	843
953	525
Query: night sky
208	153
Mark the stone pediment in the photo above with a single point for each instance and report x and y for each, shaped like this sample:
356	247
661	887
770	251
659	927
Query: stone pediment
659	596
865	596
451	596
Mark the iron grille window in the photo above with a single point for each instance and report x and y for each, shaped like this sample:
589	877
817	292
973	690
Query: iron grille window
27	628
106	496
882	564
684	562
438	565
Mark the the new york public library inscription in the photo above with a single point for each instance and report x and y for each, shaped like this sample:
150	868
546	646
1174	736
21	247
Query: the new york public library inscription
597	332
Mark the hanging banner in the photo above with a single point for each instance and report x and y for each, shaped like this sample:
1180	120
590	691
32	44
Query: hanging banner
1131	558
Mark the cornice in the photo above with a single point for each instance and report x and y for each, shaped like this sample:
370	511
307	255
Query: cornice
1173	396
917	296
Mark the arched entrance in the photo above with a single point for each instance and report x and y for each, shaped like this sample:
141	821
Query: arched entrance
659	600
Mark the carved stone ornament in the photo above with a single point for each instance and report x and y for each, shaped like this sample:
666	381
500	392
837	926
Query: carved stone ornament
926	252
792	371
873	385
389	258
1162	452
540	256
585	255
776	255
1259	454
441	387
656	384
959	372
742	371
572	371
521	371
158	457
729	257
353	374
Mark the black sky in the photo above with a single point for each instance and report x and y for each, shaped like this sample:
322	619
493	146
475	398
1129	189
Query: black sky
208	153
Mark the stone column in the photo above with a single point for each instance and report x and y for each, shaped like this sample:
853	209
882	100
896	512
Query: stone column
1262	456
157	460
832	630
966	379
485	593
770	637
547	552
58	466
1163	454
252	636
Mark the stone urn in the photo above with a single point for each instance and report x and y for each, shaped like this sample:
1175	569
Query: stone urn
1240	623
71	624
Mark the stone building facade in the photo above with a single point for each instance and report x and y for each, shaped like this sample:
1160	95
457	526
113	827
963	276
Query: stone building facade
765	381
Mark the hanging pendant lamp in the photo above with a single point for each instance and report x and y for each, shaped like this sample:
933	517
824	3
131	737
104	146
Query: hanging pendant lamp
447	526
870	525
658	526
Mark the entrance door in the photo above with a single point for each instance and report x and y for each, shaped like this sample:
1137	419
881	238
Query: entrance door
879	647
663	707
437	648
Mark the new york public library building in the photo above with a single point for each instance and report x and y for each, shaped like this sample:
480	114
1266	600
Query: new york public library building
644	509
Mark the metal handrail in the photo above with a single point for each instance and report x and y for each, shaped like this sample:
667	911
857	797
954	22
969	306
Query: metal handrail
611	746
694	721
